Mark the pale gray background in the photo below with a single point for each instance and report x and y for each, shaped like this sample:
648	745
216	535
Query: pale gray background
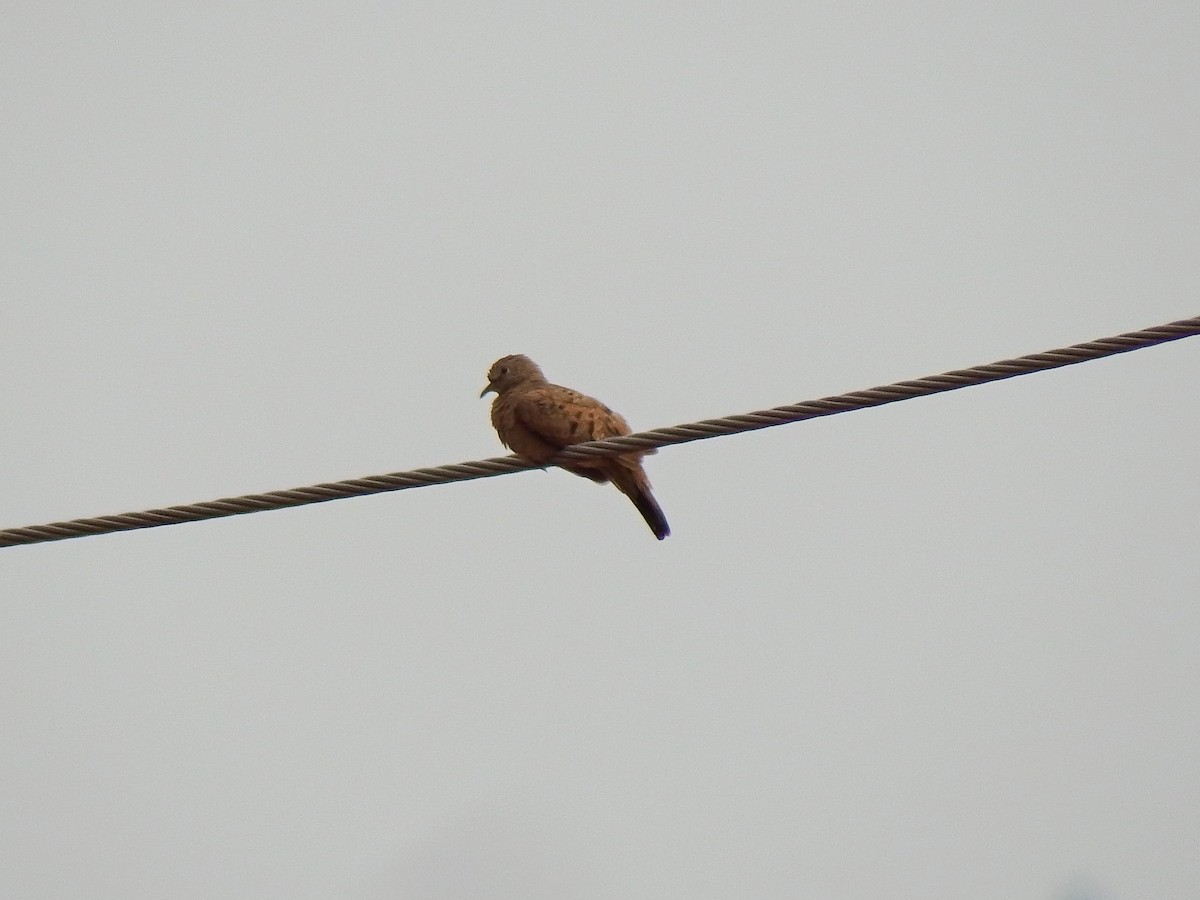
945	649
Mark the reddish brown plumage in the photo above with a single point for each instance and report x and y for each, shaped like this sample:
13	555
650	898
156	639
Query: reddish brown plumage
536	419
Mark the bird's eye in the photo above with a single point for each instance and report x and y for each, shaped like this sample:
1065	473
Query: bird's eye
504	370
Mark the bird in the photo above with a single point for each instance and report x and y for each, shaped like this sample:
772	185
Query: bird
536	420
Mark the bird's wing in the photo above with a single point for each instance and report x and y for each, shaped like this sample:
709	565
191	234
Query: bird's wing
561	416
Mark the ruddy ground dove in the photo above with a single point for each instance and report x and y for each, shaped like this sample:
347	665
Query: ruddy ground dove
536	419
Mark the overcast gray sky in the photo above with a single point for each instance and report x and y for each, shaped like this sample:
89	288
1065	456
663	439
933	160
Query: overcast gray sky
943	649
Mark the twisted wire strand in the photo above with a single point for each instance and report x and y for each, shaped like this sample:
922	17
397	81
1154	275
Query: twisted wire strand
646	440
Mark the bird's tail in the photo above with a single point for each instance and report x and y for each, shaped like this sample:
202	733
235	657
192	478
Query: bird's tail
634	484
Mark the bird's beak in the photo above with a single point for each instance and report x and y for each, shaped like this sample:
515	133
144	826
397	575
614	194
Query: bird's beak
487	390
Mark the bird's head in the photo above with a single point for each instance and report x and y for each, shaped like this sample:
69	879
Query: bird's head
509	371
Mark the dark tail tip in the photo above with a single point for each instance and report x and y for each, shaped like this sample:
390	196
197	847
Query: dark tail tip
652	513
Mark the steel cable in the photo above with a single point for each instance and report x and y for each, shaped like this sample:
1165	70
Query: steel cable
659	437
